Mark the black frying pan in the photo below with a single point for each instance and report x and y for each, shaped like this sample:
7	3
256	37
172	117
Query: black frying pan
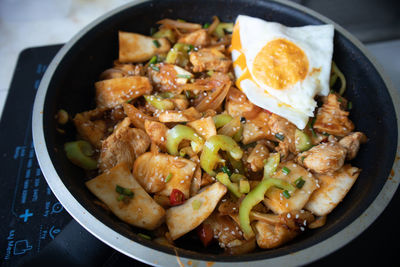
68	84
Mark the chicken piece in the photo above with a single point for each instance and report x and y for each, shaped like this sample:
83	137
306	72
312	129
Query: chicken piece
333	188
151	170
285	130
196	38
139	210
210	59
112	92
169	78
180	102
332	119
294	220
352	143
270	235
157	132
257	128
91	125
205	127
125	144
274	198
122	70
225	230
237	105
257	157
186	217
186	115
196	181
135	47
323	158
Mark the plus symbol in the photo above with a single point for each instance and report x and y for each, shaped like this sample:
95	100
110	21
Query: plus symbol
26	215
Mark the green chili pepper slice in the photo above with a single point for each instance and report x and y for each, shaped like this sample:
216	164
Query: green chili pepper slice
209	157
272	164
166	33
254	197
221	119
179	133
159	103
79	153
178	55
223	178
222	28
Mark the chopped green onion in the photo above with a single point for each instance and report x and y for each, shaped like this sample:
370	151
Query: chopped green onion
340	99
153	60
144	236
123	191
286	194
299	183
183	76
206	25
155	68
302	158
120	197
349	105
152	30
279	136
312	126
226	170
326	134
156	43
168	177
191	47
196	204
286	170
210	73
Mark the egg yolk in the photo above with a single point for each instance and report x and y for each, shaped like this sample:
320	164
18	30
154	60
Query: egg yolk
280	63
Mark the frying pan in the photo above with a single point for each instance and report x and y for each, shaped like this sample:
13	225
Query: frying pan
68	83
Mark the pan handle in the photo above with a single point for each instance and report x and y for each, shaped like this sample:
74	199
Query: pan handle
74	246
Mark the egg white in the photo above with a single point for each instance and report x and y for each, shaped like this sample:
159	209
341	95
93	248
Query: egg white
296	102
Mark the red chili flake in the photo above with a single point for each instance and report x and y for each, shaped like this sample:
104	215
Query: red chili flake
176	197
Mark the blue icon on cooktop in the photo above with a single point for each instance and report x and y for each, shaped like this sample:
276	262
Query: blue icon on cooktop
26	215
21	246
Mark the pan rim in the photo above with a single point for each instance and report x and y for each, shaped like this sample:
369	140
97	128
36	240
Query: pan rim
147	254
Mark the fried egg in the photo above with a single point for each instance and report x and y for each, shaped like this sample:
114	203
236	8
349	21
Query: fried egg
281	68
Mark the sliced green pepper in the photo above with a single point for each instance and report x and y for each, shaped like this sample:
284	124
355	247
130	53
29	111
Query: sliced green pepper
223	178
271	164
209	157
302	141
79	153
178	55
159	103
179	133
238	135
236	177
244	186
221	119
258	193
254	197
165	33
236	164
222	28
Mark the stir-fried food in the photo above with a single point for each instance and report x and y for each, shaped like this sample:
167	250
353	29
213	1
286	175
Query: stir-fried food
180	148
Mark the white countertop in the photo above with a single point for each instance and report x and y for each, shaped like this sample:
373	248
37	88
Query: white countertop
28	23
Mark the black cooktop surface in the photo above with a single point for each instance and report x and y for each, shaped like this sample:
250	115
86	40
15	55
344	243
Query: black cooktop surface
31	216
